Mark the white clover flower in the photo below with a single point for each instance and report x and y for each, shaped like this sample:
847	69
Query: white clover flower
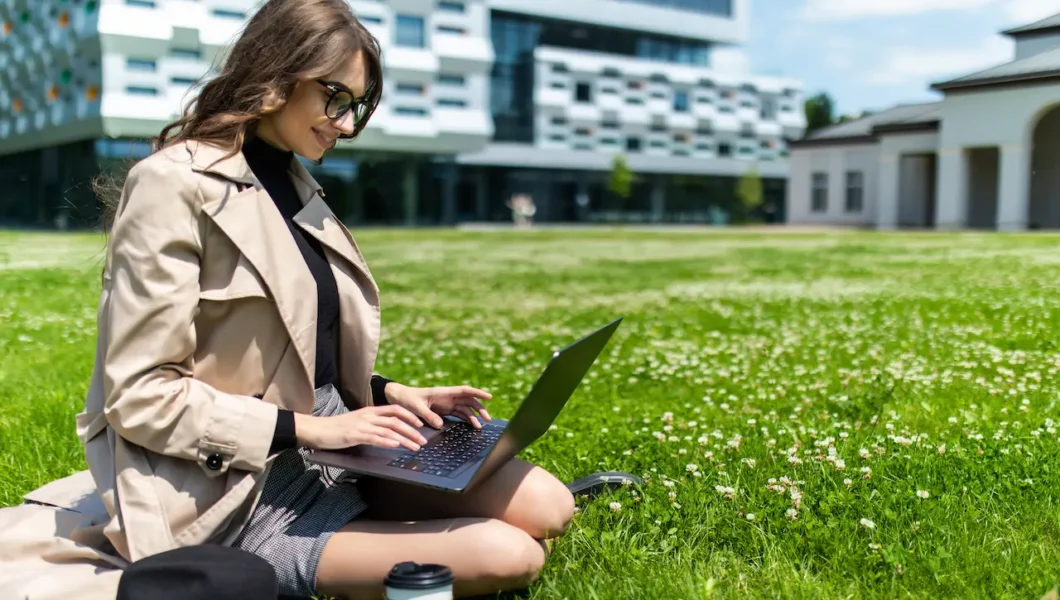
922	494
864	453
840	464
615	507
867	524
847	482
791	514
750	516
942	449
691	468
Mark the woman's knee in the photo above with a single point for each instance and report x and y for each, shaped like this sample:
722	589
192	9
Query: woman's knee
550	503
508	554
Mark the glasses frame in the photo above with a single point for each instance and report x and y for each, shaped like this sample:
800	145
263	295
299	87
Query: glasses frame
354	102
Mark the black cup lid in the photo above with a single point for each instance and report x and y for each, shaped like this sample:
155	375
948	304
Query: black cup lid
414	576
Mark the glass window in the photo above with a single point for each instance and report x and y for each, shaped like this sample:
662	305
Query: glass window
680	101
449	29
452	80
136	64
409	89
227	14
452	103
819	193
583	93
724	149
633	144
141	90
855	191
448	6
409	32
410	111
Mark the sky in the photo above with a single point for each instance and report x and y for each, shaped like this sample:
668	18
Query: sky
872	54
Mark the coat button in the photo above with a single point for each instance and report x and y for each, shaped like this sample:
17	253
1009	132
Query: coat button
214	462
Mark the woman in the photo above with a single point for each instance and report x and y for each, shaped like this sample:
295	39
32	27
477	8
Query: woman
238	327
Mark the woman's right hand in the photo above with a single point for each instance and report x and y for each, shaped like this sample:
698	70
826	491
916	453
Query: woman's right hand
387	426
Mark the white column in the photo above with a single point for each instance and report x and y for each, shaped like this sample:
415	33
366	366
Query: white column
1013	192
887	191
951	198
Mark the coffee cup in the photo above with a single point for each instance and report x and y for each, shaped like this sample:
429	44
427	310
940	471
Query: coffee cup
413	581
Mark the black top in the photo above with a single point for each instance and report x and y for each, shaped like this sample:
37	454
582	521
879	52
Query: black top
272	168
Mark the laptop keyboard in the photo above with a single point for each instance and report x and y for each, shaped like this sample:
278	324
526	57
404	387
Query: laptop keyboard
450	450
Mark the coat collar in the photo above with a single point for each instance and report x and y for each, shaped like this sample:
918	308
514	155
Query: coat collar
251	220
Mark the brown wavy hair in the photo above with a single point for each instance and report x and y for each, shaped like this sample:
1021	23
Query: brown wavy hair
285	42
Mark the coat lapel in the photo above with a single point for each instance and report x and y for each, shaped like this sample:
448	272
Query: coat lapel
252	222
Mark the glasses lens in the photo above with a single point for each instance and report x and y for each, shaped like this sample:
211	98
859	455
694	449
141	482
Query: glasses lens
339	104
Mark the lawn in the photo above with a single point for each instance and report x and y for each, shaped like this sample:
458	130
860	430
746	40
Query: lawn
815	415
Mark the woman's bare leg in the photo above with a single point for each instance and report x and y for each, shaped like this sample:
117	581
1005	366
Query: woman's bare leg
519	493
486	555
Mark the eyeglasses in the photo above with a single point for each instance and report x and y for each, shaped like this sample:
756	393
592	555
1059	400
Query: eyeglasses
341	101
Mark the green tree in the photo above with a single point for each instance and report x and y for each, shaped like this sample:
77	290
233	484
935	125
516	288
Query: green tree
621	183
819	112
749	191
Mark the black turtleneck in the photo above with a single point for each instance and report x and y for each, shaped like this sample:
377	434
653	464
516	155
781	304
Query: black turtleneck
272	167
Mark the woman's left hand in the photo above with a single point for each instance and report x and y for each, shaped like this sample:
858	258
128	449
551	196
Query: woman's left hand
433	403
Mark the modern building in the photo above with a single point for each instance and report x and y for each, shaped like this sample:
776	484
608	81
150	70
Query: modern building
483	99
985	156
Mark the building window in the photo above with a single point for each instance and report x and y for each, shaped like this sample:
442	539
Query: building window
136	64
141	90
372	19
680	101
141	3
177	80
583	93
452	103
410	111
456	80
185	53
724	149
819	193
410	89
449	29
769	109
855	200
409	32
447	6
633	144
228	14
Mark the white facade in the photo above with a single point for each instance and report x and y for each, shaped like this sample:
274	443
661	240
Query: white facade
984	156
131	64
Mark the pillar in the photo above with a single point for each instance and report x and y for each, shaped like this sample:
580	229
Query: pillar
887	200
410	189
1013	193
658	200
449	179
482	207
952	184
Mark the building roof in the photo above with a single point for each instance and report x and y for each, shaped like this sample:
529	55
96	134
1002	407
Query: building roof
1043	66
903	117
1046	24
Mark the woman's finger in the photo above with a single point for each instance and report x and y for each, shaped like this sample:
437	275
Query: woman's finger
469	402
393	410
467	390
397	437
404	429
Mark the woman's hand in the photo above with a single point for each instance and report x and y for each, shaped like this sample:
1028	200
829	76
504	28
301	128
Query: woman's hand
389	426
433	403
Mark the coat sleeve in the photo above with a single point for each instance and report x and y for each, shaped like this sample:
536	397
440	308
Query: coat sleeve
148	333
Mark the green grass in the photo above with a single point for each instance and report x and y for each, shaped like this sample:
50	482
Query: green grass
758	362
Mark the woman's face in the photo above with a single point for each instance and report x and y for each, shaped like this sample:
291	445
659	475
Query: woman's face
303	125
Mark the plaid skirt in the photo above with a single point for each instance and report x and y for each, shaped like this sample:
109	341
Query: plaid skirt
302	505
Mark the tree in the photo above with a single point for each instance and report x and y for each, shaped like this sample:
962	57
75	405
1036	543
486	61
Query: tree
621	183
749	191
819	112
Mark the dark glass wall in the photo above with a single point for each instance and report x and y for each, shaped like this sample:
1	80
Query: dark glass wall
515	37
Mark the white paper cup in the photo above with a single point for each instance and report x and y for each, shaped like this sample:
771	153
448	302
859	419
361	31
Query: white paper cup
412	581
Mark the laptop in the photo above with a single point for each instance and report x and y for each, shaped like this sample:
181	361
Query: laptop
457	456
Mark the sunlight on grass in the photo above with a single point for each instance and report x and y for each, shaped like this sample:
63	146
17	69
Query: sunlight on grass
815	415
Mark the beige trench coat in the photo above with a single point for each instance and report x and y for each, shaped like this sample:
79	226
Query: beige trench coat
206	325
